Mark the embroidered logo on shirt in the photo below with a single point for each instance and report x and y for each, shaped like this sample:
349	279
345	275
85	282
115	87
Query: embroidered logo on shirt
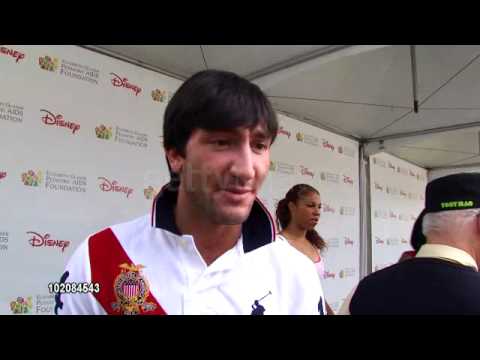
58	300
320	307
131	291
259	309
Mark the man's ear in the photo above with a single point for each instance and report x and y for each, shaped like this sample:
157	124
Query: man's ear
175	160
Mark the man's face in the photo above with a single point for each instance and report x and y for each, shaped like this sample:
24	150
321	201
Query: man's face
222	172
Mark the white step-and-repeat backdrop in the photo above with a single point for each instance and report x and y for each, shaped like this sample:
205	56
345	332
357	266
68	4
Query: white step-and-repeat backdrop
81	148
397	190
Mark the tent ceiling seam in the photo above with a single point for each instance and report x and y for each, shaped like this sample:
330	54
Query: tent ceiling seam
436	149
338	102
203	56
462	69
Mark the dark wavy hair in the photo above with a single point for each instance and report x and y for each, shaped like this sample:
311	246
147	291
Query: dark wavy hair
284	217
215	100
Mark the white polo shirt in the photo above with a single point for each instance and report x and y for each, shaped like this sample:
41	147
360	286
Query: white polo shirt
146	266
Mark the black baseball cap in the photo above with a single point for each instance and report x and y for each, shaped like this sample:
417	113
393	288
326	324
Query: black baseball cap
453	192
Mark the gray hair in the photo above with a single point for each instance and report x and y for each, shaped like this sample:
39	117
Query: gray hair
444	222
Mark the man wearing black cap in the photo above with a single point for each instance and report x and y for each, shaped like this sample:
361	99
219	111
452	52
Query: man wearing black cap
443	277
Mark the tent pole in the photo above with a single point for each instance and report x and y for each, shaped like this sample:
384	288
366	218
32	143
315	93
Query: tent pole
365	214
414	78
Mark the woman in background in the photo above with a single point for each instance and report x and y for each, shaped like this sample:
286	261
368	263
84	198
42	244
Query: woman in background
297	215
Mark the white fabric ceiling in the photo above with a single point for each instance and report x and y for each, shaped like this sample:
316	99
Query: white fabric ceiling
185	60
365	92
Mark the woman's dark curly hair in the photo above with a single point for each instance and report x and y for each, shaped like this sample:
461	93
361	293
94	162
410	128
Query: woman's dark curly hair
284	217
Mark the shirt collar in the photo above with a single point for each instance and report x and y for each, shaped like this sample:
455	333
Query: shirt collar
257	230
447	252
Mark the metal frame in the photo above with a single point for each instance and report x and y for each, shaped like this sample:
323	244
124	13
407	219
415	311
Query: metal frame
365	262
414	78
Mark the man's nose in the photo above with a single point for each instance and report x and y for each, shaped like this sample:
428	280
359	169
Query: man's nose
243	163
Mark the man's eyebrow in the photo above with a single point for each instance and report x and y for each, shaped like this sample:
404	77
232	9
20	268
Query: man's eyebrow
260	134
220	132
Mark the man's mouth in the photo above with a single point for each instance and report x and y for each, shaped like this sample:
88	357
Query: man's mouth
237	194
238	190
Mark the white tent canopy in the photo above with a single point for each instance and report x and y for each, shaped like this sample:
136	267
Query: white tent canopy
363	92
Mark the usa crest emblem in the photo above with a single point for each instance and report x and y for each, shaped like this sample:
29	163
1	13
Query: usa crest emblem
131	291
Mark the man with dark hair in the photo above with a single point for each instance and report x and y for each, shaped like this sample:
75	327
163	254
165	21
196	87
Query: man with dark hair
443	277
207	247
417	239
